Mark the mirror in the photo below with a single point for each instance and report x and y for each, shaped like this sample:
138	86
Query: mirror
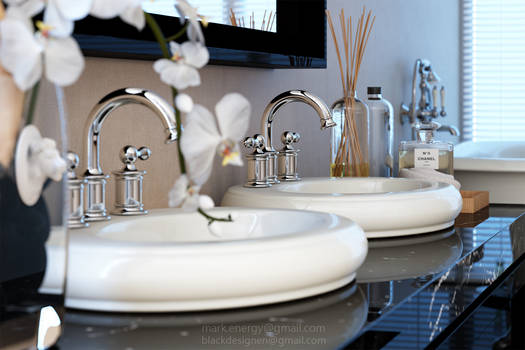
252	14
293	35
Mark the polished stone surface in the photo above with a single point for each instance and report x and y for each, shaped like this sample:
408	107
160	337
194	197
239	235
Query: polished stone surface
446	290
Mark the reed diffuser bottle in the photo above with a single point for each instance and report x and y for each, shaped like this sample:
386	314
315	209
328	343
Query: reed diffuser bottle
350	138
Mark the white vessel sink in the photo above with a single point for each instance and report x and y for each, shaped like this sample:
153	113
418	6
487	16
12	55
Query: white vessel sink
169	260
383	207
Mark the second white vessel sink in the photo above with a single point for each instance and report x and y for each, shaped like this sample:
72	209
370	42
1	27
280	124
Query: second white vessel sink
383	207
171	260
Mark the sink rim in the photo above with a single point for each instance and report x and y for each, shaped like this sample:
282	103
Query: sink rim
280	189
92	235
384	214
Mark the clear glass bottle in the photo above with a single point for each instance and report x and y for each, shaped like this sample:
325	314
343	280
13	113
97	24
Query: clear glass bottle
349	144
381	151
426	152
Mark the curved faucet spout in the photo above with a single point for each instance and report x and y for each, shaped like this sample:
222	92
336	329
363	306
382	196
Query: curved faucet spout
450	128
118	98
293	96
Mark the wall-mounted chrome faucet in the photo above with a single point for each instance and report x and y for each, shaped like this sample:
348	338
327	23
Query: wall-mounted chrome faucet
269	114
265	156
95	178
427	107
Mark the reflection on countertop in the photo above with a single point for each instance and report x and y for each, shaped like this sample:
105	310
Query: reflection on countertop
410	293
319	322
410	257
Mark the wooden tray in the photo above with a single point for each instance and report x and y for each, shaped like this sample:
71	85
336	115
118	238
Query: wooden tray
474	200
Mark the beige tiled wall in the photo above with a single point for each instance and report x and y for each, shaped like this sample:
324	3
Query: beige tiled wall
404	31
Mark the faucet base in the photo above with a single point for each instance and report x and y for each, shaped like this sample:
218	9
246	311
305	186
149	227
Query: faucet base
289	178
257	184
129	211
103	216
77	223
273	180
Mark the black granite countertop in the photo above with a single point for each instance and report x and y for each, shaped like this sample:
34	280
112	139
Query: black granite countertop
449	290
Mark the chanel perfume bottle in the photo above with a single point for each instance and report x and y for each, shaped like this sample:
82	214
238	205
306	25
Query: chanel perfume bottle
426	152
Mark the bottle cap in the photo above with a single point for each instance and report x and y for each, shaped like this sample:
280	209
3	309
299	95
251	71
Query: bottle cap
374	90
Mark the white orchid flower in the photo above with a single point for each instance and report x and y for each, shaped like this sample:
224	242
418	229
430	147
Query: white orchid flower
203	137
183	195
184	103
185	10
130	11
26	55
24	10
60	15
181	70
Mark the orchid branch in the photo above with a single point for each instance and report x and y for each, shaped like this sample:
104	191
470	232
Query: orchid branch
163	43
32	103
179	34
159	36
212	219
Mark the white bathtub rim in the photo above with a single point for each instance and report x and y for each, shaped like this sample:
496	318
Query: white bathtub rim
511	165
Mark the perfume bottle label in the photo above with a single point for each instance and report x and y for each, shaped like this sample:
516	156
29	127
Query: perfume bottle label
426	158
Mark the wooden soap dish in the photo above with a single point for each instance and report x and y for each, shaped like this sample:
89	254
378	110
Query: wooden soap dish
474	200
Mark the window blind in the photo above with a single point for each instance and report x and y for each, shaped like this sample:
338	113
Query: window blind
493	69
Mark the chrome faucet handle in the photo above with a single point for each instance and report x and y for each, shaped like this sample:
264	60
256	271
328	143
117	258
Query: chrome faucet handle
443	112
434	101
129	155
75	188
287	157
128	182
257	162
256	142
72	161
288	138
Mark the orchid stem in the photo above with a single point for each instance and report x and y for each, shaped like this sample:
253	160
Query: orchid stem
159	36
212	219
179	34
32	103
182	162
163	43
161	39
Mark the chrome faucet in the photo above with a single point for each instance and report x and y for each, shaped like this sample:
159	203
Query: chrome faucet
95	178
426	108
268	117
